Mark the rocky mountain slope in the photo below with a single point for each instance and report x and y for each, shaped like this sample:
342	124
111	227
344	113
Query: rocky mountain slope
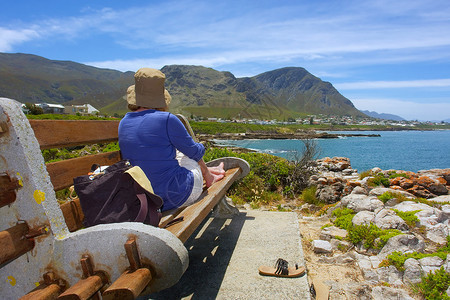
196	90
31	78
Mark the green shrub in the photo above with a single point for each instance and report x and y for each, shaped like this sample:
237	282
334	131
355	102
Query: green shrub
269	175
394	174
386	196
365	174
398	259
370	235
435	285
344	217
309	195
409	217
111	147
378	180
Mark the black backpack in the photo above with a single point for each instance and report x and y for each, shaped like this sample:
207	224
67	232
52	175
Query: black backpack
118	195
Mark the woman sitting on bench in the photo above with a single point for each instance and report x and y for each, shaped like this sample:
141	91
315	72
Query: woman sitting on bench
157	141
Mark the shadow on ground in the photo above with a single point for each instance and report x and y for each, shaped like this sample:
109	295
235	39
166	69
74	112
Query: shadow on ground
210	250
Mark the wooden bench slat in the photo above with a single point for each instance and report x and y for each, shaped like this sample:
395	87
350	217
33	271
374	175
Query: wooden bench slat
194	214
8	188
68	133
73	214
83	289
169	215
62	172
13	242
43	292
129	285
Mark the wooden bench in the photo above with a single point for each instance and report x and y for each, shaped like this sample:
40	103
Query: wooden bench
112	261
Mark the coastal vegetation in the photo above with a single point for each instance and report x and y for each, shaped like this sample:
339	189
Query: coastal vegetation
67	117
211	128
234	127
271	178
370	236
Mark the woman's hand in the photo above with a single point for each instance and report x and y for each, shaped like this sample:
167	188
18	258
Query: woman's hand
211	174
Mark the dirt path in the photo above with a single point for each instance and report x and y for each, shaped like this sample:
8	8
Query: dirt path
310	229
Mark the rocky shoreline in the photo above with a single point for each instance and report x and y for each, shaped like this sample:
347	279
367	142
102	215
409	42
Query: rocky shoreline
425	195
280	136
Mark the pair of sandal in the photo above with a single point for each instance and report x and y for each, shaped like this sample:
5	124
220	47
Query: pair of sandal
282	269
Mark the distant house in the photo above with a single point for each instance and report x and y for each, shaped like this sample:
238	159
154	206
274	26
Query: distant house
51	108
85	109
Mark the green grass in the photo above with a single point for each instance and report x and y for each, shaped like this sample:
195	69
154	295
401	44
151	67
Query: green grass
409	217
398	259
378	180
66	117
370	236
394	174
309	195
434	285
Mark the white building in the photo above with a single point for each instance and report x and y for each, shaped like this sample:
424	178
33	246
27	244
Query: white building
51	108
84	109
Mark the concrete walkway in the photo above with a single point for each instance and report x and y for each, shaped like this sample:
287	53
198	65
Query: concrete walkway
225	255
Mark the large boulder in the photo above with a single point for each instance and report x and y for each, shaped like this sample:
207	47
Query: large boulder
390	275
386	293
413	271
320	246
427	215
442	198
404	183
335	164
364	218
404	243
359	190
447	264
359	202
445	210
435	186
421	192
437	233
329	193
350	290
331	232
430	264
378	191
388	219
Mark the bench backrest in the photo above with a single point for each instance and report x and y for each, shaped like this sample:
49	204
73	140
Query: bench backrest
63	134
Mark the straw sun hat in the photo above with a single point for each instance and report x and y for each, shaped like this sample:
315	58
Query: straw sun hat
148	89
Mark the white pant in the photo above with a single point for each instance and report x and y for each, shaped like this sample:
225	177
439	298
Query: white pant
192	166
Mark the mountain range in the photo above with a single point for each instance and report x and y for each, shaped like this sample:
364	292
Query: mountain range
196	90
383	116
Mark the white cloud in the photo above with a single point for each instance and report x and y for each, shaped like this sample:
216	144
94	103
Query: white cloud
406	109
392	84
282	33
10	38
135	64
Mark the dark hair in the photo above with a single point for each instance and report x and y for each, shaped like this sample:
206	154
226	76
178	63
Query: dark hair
133	107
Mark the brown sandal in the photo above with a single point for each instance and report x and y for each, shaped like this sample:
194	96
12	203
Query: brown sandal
282	269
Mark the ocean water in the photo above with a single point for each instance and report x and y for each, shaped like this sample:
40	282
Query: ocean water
399	150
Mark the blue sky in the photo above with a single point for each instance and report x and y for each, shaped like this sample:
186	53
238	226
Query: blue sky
385	56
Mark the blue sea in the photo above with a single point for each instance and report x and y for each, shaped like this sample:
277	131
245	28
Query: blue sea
399	150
